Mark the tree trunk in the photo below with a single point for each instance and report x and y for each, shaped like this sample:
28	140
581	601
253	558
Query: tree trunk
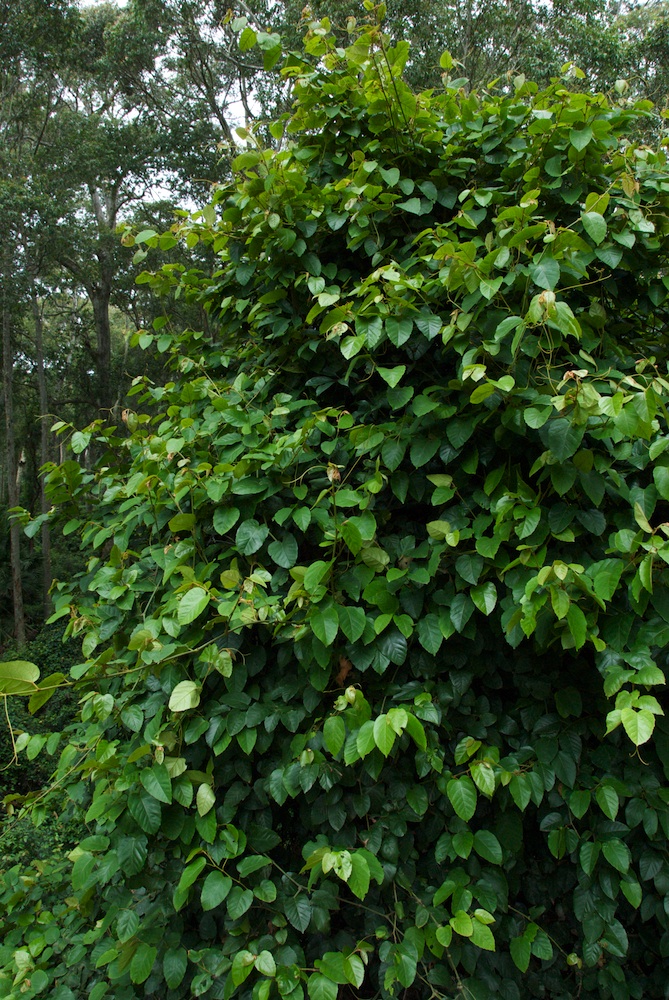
100	294
44	450
105	208
11	466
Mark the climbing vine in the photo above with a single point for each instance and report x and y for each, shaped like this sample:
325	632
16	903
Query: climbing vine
375	610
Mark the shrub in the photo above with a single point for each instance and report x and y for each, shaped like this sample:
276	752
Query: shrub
376	604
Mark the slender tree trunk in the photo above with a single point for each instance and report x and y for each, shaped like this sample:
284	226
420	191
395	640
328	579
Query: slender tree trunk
44	449
100	295
105	209
11	466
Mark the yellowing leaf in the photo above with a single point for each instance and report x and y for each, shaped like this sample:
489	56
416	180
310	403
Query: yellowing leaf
184	696
205	799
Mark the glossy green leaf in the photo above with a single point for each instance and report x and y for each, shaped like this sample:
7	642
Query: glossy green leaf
145	810
205	798
252	863
127	925
243	965
595	226
488	847
321	988
483	777
463	843
579	802
284	552
462	796
391	376
417	798
545	273
352	621
215	889
577	625
607	800
430	635
182	522
617	854
157	782
175	963
484	597
461	611
238	902
444	935
580	137
265	964
298	911
632	892
359	879
250	536
563	438
520	949
588	856
416	730
365	740
142	963
325	623
224	519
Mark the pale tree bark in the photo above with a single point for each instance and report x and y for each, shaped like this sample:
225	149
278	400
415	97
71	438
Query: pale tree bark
98	280
105	208
100	296
44	447
11	465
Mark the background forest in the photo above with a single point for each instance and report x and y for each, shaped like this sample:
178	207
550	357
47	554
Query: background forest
336	444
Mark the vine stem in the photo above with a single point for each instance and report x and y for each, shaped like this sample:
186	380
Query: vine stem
526	917
15	753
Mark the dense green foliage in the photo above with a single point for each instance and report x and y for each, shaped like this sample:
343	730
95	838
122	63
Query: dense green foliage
104	107
375	605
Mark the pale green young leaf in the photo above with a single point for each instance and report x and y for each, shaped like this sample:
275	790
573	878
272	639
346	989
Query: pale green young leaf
638	724
384	734
482	936
334	734
359	879
205	798
192	604
184	696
